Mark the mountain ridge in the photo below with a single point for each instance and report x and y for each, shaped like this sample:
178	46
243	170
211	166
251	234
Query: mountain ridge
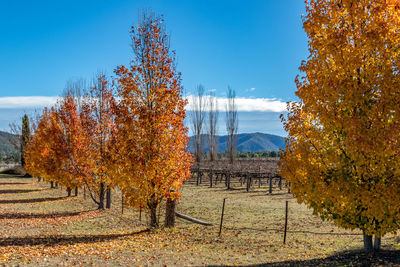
247	142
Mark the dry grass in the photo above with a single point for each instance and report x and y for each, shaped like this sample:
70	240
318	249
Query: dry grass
40	226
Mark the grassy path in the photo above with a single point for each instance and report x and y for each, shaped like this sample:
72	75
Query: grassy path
41	226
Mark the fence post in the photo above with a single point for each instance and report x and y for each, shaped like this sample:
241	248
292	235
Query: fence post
198	176
286	218
222	217
280	183
247	182
211	177
122	203
270	183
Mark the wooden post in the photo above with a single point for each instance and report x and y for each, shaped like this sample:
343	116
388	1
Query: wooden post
211	177
222	217
198	176
122	203
76	191
270	183
259	181
201	176
140	213
288	188
280	183
286	218
247	182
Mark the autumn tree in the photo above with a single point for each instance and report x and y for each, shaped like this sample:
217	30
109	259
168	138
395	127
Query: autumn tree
197	118
231	124
342	154
151	139
43	155
98	123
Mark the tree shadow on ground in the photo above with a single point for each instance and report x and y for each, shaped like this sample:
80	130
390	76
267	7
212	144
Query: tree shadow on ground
32	200
293	231
268	194
15	183
62	240
40	215
346	258
17	191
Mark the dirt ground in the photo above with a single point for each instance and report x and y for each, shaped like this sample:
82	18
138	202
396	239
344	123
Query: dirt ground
41	226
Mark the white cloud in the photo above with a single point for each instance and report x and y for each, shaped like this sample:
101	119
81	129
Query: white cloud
248	104
252	89
243	104
27	101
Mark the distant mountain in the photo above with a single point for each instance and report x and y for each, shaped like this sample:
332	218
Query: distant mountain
247	142
6	147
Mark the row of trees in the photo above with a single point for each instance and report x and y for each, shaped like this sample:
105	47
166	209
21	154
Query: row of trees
126	133
206	107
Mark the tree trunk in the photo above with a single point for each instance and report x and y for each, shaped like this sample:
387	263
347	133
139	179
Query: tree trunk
51	184
56	185
377	243
170	213
368	243
76	191
101	197
69	191
108	198
153	216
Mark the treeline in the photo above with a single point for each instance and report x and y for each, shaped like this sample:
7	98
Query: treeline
123	132
10	158
261	154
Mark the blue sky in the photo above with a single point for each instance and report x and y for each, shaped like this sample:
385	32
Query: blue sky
255	46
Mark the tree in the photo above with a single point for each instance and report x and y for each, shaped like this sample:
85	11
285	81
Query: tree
151	161
23	133
212	126
198	116
342	154
231	124
25	137
98	122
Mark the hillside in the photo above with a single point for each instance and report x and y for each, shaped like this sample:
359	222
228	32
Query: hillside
247	142
6	147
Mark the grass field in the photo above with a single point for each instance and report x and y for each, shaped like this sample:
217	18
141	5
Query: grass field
41	226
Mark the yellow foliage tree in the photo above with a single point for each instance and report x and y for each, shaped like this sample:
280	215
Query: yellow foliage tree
342	155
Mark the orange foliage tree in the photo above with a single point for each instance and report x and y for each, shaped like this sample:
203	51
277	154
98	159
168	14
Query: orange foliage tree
151	139
343	150
47	154
98	122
